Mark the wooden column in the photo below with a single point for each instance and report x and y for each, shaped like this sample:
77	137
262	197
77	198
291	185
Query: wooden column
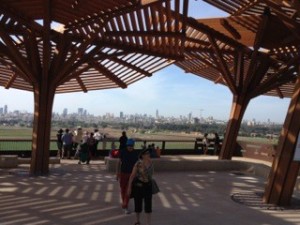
44	92
284	172
239	106
43	102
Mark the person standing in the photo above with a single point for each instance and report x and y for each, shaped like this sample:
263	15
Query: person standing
92	145
67	140
140	186
205	143
77	140
59	142
217	144
98	138
128	158
123	140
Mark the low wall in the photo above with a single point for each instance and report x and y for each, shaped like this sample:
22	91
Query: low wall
261	151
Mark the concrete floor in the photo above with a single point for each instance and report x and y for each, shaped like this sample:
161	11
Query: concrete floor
87	194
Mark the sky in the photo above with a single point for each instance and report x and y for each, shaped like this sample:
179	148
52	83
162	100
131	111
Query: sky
171	91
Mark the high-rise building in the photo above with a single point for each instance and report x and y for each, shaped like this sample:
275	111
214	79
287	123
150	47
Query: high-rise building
65	112
121	115
190	116
80	111
157	114
5	109
1	111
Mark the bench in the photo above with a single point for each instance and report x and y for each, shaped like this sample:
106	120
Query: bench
8	161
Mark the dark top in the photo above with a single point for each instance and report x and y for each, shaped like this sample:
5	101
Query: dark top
217	140
128	160
123	141
59	136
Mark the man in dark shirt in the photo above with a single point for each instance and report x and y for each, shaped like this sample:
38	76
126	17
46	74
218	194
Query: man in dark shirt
128	158
123	140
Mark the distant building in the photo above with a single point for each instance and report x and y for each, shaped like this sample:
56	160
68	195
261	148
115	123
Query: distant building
121	115
157	114
196	120
190	116
5	109
1	111
65	112
80	111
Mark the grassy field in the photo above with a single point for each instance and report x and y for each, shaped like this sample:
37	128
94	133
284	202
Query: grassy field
24	133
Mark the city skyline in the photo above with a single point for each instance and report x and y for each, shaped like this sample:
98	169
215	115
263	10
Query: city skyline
170	90
83	113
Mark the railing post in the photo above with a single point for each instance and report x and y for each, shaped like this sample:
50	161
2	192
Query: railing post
163	146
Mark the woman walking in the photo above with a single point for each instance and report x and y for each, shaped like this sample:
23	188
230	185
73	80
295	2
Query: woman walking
140	186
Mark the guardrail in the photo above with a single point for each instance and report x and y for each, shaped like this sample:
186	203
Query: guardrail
22	147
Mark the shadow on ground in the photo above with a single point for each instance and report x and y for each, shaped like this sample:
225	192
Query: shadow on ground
87	194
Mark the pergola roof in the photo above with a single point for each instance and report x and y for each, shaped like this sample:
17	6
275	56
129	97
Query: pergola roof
278	46
107	44
94	45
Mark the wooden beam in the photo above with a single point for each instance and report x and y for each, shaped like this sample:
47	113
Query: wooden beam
291	23
282	76
255	54
223	65
75	74
219	79
197	41
11	80
62	49
81	84
154	34
193	23
15	55
259	74
279	92
209	50
230	29
239	70
245	8
109	75
130	66
140	49
32	49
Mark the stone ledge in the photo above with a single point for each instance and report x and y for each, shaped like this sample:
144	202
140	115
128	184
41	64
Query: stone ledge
52	160
8	161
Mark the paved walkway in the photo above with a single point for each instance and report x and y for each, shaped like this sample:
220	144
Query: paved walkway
87	194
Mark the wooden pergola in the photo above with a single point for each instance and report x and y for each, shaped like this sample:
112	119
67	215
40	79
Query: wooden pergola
262	59
52	46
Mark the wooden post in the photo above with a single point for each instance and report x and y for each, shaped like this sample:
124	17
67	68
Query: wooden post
239	106
284	172
43	102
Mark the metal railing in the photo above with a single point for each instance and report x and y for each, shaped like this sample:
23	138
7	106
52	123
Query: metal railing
22	147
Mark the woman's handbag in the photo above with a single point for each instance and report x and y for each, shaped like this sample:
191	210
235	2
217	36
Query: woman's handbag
155	188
